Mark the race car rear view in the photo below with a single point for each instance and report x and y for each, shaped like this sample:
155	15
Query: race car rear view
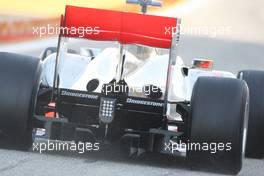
136	91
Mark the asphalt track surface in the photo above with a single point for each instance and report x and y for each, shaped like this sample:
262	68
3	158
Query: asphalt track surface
228	55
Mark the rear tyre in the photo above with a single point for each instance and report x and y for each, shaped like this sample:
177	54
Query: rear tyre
19	81
217	122
255	136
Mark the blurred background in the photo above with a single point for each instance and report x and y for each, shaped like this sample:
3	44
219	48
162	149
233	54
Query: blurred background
17	18
240	20
226	31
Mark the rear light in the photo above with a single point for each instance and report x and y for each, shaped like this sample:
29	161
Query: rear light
51	113
203	64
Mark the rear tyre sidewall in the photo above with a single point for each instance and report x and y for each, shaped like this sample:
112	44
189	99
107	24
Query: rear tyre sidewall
218	115
255	135
19	82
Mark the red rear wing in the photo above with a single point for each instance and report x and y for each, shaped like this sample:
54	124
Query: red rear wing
127	28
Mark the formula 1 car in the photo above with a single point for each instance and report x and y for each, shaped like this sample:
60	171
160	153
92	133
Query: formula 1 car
132	87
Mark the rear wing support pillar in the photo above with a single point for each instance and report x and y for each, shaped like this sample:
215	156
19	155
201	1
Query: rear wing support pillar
170	69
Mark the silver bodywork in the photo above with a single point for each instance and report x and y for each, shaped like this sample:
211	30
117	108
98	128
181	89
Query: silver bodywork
76	71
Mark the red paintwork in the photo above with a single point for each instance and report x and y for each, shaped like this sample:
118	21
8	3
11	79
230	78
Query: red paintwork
125	27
